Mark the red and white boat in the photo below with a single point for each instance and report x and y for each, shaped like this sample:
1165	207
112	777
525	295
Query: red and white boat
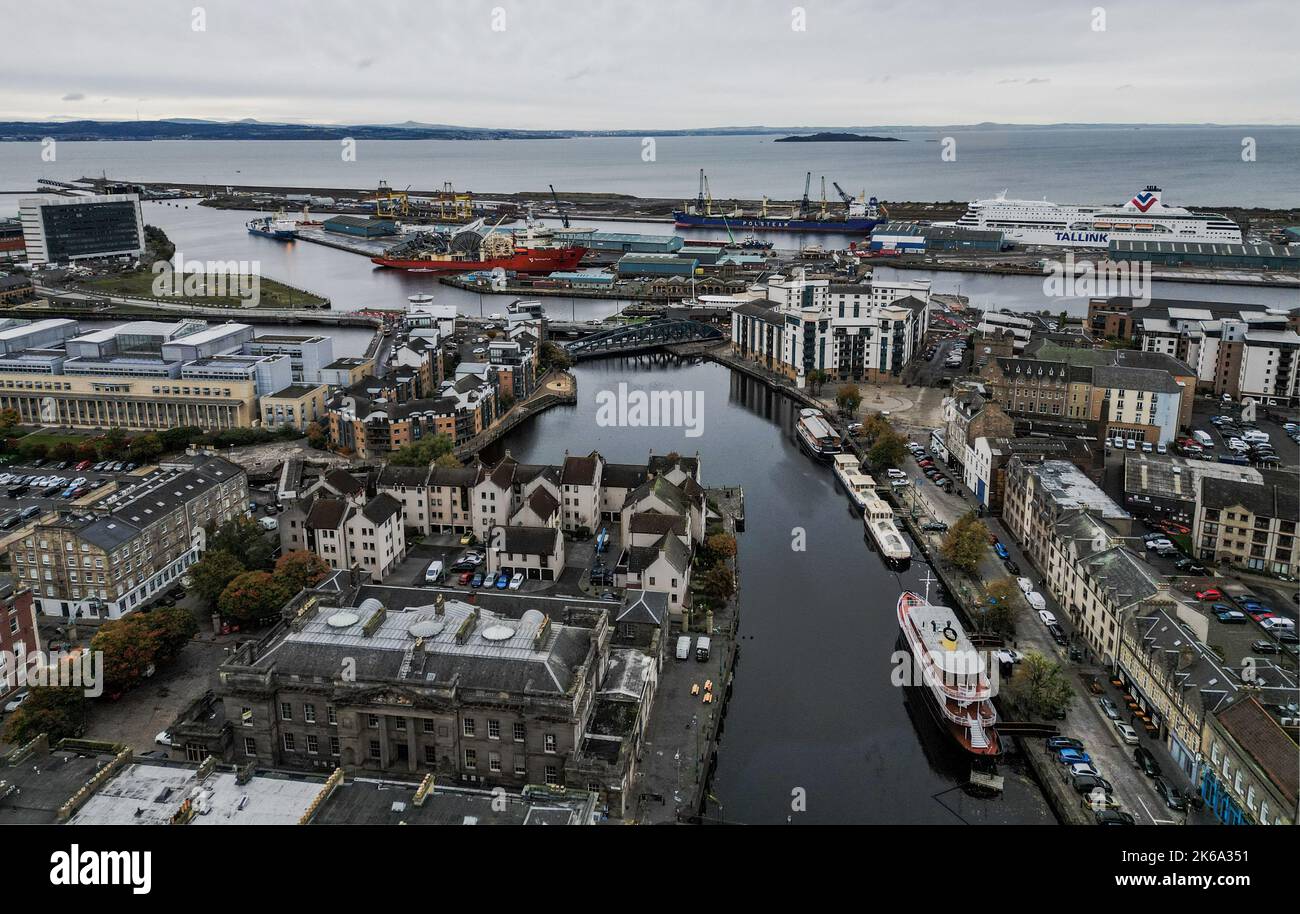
953	674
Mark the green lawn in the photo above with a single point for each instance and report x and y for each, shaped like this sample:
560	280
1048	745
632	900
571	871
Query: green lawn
271	294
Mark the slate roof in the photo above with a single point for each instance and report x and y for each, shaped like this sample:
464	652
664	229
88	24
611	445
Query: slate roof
382	507
530	540
647	607
543	503
1262	738
623	475
343	483
657	523
1277	496
579	471
393	475
327	514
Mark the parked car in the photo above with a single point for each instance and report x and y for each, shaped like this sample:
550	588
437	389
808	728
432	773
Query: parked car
935	526
1264	647
1025	585
1108	708
1113	817
1058	634
517	581
1170	794
1146	762
465	578
1011	566
1073	757
1126	733
1001	550
1062	742
15	703
1087	783
477	580
1210	593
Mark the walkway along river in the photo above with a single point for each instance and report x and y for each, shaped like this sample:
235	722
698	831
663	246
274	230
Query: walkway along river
813	712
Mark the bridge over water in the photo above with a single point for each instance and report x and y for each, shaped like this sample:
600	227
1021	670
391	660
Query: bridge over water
651	334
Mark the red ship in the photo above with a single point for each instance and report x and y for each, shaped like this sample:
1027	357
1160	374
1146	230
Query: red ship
521	260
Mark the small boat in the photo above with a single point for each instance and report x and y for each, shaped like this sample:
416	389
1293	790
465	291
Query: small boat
878	519
859	485
950	673
816	435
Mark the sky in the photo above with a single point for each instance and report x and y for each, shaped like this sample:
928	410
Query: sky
653	64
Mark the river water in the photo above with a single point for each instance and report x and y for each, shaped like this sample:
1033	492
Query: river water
813	706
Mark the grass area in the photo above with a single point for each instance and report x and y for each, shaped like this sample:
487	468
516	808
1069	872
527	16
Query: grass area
51	439
271	294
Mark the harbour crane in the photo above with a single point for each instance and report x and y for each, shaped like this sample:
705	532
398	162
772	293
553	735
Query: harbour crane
699	198
564	218
807	184
848	200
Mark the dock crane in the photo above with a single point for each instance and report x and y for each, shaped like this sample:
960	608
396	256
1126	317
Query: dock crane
807	184
848	200
564	218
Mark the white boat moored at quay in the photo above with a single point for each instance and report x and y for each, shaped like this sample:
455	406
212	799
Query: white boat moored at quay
859	485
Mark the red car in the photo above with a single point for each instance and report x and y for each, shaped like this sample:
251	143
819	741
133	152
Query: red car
465	577
1211	594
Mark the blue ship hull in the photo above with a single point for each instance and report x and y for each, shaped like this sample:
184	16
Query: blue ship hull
278	236
859	226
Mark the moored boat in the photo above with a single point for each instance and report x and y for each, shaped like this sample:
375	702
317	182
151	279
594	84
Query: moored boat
816	435
878	519
859	485
950	673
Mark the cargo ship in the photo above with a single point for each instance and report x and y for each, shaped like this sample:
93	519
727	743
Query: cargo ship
816	435
466	250
277	227
950	673
858	217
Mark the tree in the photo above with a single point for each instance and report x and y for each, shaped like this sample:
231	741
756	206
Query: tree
1039	687
300	569
966	541
888	449
65	451
86	450
243	538
998	614
423	452
173	627
553	356
8	419
33	450
130	648
210	575
718	583
816	378
449	461
848	398
113	444
317	436
721	545
59	713
252	596
146	448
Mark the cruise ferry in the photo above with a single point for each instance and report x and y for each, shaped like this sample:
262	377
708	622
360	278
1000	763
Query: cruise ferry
817	436
278	227
1145	217
953	676
859	485
878	519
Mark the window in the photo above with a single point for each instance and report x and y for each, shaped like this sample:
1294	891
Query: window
519	733
552	774
494	729
288	742
471	758
313	744
427	725
246	716
494	761
430	755
372	720
548	743
468	726
334	745
521	767
375	751
286	711
250	746
331	715
309	713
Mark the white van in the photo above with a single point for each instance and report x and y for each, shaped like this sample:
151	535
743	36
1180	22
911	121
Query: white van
702	648
684	647
1035	599
1203	438
268	523
433	574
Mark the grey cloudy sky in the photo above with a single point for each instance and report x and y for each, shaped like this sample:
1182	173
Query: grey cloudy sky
662	64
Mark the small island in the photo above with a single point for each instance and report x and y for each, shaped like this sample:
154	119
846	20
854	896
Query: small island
838	138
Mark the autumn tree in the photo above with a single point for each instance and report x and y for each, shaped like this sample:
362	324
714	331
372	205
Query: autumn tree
300	569
966	542
146	448
252	596
60	713
245	539
317	435
1039	688
210	575
718	583
721	545
848	398
173	628
129	646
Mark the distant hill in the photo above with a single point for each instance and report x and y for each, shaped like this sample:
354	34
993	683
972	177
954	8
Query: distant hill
838	138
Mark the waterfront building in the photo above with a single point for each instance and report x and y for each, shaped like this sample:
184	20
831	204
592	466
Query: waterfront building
652	265
347	531
122	551
308	355
360	226
65	229
851	332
